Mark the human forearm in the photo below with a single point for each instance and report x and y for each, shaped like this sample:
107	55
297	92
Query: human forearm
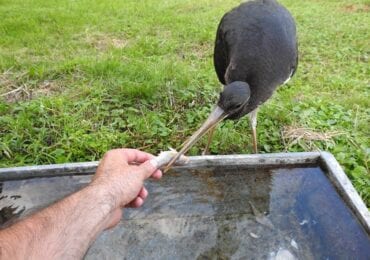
67	228
64	230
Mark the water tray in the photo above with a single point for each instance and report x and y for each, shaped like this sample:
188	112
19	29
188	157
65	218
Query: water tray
276	206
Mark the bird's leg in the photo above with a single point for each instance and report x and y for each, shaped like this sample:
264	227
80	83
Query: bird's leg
210	135
253	122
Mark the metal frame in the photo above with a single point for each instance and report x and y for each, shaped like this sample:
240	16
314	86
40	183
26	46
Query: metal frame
323	159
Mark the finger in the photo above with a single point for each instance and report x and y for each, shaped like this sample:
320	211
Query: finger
146	169
133	155
143	193
157	174
136	203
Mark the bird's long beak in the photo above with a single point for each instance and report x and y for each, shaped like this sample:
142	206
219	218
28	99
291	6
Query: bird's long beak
217	115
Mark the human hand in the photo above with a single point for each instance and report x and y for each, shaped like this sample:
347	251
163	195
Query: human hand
121	174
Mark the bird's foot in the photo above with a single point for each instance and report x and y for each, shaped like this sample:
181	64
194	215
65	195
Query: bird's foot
205	152
255	149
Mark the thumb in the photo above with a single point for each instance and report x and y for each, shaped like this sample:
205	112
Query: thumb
147	168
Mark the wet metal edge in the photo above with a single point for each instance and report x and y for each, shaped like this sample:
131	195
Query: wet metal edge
345	188
51	170
324	159
86	168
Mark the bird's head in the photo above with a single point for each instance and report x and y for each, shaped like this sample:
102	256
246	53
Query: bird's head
233	99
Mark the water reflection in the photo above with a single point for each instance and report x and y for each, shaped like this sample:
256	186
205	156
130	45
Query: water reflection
207	214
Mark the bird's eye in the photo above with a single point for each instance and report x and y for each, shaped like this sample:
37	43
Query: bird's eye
236	106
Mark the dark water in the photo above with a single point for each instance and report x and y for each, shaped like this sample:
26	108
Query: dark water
207	214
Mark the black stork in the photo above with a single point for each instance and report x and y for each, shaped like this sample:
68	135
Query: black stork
255	52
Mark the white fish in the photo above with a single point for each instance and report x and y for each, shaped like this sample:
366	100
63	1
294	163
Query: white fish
294	244
165	157
284	254
261	218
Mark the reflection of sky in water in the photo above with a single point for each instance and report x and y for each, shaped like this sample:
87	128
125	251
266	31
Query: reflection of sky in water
207	214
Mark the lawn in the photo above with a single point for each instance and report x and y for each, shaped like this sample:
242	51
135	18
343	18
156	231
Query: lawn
80	77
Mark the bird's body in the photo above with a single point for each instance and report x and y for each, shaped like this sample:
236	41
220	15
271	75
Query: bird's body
256	43
255	52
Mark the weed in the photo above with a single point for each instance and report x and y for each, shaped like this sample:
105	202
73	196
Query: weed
78	78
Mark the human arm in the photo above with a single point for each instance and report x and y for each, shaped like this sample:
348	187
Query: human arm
67	228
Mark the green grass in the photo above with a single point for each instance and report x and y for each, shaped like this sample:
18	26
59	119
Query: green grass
95	75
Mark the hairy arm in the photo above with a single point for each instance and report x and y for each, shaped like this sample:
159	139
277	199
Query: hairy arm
67	228
64	230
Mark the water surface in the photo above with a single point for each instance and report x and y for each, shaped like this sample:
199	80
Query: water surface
207	214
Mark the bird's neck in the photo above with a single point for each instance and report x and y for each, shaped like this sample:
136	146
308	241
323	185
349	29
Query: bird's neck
235	73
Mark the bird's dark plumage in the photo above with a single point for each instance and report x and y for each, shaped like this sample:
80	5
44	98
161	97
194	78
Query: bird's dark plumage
255	52
256	43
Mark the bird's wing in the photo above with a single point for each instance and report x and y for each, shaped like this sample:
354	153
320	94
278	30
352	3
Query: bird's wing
220	55
296	62
293	67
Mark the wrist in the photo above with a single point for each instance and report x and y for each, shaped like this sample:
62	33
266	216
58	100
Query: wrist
106	202
103	197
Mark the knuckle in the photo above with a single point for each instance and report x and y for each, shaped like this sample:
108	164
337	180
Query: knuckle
110	152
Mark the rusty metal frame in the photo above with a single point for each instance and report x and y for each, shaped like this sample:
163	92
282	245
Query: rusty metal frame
323	159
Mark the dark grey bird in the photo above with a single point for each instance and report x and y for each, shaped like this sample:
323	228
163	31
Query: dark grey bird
255	52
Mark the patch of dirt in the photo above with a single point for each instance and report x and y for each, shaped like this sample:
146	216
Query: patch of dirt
46	88
103	42
356	8
15	87
200	51
305	137
299	97
291	132
17	94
